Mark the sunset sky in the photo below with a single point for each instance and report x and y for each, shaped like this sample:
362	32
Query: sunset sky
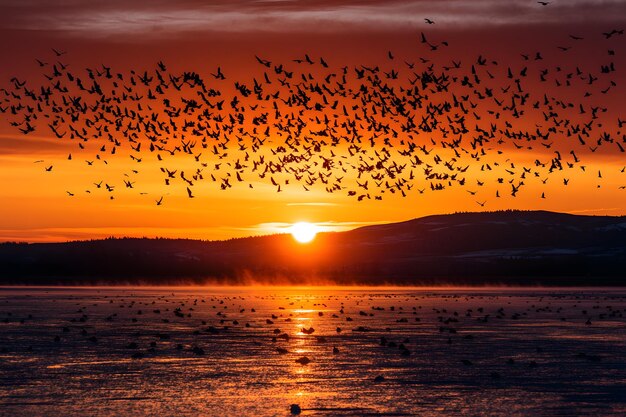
200	36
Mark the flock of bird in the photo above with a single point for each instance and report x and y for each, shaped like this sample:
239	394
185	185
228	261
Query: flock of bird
405	125
232	313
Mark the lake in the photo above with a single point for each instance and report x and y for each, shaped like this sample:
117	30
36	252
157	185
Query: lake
215	351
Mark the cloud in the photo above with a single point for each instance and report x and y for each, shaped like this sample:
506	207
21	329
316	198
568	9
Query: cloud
63	234
159	18
31	146
280	227
596	211
313	204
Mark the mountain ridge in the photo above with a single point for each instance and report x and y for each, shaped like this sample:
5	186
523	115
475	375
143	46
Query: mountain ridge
471	248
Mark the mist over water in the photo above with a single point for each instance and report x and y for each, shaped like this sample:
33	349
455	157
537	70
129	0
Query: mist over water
234	351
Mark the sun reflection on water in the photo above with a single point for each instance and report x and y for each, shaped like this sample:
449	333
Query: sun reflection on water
255	367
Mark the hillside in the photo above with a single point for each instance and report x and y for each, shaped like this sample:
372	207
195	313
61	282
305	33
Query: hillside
512	247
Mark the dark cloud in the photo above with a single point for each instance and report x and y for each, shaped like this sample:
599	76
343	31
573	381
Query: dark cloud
11	145
160	18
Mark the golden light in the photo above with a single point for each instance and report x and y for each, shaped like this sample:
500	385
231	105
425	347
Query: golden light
303	232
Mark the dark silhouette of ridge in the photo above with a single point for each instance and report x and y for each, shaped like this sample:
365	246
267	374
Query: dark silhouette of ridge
506	247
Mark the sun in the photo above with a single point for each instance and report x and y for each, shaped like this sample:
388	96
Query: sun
303	232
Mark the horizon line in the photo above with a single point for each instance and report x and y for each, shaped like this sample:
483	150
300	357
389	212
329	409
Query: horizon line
578	213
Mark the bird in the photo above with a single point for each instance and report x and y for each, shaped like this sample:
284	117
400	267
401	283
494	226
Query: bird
291	122
303	360
307	331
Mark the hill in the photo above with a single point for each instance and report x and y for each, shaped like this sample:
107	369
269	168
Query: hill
510	247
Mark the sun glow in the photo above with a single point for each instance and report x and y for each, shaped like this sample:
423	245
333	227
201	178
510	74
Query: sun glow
303	232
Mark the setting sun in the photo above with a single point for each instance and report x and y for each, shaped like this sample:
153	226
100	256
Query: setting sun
166	168
303	232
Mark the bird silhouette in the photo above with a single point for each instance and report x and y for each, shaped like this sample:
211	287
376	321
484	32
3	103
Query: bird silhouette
367	131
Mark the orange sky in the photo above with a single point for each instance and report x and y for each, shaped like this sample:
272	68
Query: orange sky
200	36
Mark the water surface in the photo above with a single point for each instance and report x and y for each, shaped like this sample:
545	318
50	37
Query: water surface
233	351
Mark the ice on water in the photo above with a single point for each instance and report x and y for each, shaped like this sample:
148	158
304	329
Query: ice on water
221	351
